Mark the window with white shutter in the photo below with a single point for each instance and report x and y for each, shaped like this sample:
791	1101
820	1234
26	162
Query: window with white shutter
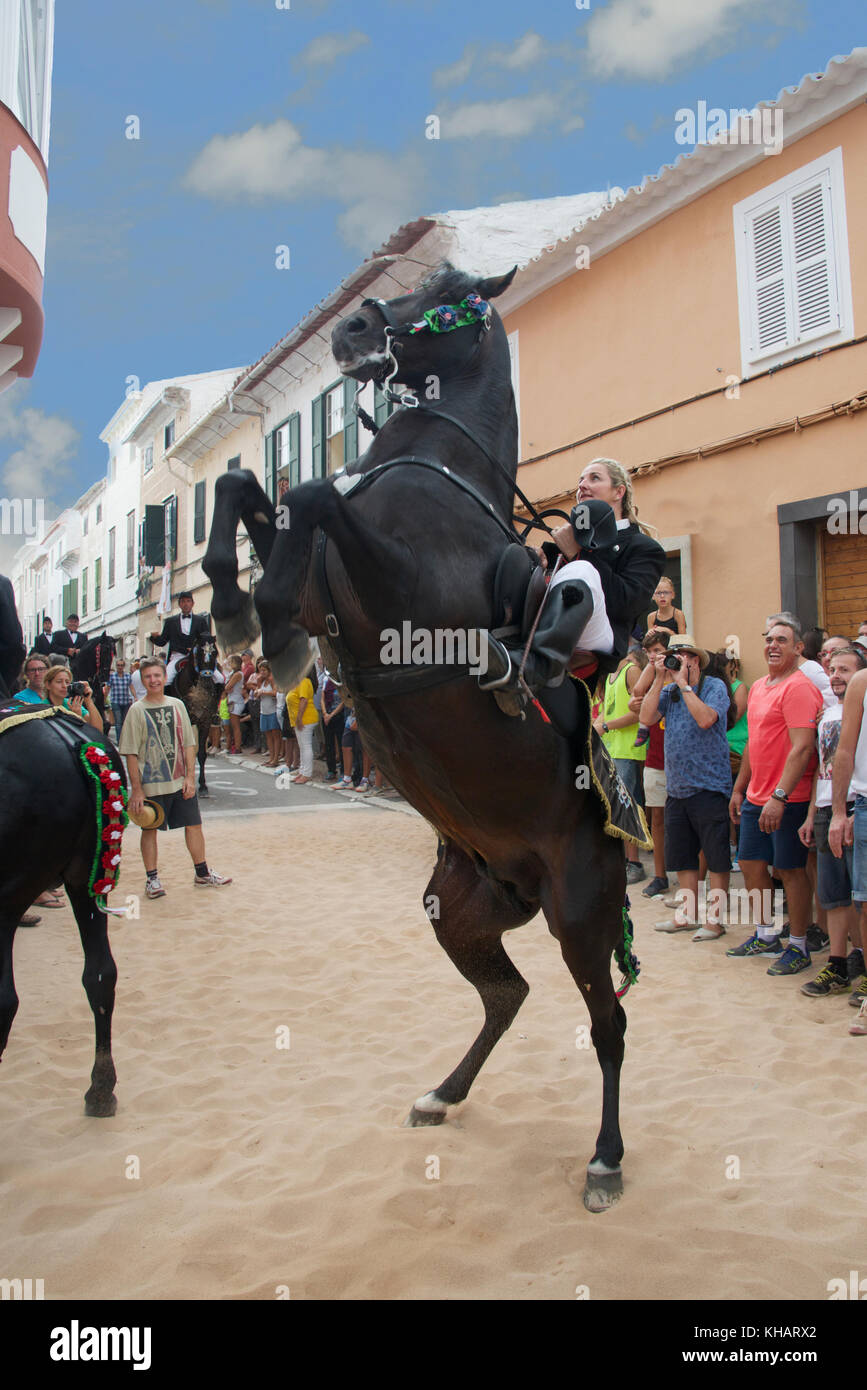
794	289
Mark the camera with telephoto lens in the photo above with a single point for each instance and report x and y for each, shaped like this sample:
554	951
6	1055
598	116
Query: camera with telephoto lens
77	690
671	662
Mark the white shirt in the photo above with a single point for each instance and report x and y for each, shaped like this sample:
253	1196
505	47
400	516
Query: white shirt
814	672
186	624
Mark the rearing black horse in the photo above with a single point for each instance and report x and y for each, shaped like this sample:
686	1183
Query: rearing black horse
413	531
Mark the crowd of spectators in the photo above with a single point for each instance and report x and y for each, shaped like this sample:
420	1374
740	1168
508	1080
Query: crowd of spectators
770	781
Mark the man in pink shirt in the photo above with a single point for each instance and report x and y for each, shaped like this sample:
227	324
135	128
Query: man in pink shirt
771	797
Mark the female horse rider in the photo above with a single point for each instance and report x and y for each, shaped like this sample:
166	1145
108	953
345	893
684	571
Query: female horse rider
607	583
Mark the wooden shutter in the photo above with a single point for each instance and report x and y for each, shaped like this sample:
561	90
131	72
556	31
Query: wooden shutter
199	513
318	421
815	289
97	583
294	449
350	421
70	598
770	326
84	592
154	536
112	555
793	282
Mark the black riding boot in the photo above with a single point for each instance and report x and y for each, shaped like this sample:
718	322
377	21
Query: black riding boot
567	611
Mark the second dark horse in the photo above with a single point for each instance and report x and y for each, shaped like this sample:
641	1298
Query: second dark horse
416	547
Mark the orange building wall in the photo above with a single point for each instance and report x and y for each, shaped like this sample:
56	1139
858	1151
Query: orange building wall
649	325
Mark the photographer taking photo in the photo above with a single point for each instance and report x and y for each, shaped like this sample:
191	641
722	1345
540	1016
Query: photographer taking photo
698	777
74	696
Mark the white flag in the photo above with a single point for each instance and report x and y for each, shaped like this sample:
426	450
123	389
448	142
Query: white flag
164	607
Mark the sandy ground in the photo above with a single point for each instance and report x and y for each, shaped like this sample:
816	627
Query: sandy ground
263	1168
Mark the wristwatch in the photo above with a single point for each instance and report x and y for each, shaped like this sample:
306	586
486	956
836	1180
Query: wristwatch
605	728
780	794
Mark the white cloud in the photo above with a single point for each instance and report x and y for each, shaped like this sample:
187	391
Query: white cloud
42	446
650	39
513	117
272	163
528	51
328	48
457	71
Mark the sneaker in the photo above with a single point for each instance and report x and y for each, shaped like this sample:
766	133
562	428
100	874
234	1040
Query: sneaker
817	940
655	888
363	786
736	868
343	785
859	991
855	964
858	1026
635	872
154	889
826	982
212	880
791	962
756	947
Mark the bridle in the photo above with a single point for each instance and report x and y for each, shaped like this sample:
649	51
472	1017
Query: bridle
446	318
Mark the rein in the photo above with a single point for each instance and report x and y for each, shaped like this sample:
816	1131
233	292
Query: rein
377	682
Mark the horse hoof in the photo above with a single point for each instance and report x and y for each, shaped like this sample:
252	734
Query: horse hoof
604	1188
100	1107
428	1110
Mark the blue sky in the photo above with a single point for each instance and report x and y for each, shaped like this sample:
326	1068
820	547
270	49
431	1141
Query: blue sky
305	126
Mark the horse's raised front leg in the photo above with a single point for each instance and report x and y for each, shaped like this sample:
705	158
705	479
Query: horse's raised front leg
469	919
584	909
99	979
237	495
8	997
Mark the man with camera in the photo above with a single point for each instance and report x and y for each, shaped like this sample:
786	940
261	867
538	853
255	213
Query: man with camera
698	778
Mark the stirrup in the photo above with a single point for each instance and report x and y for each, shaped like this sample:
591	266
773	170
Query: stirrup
502	657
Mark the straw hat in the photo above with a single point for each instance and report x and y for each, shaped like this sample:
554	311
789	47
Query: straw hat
682	642
150	817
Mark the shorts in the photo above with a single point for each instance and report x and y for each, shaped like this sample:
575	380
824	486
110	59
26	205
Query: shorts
654	786
693	823
179	812
783	849
833	876
632	774
268	722
859	852
351	739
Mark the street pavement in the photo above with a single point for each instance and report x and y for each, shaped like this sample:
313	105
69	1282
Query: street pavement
242	787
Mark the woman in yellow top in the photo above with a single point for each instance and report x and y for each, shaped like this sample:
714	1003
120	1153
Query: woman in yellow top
302	716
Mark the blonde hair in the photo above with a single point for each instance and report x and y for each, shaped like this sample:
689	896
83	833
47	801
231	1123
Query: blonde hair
620	478
52	673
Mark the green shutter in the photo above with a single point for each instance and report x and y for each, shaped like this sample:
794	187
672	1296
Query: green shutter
380	406
318	437
154	539
294	450
70	598
97	583
84	592
350	421
199	513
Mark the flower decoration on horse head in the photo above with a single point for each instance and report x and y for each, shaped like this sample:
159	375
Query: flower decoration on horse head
445	317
